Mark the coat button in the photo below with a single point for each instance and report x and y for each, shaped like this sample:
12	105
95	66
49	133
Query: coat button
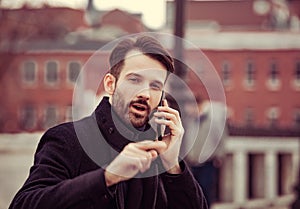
110	130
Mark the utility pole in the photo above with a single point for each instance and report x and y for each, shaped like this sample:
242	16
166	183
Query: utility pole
178	88
179	29
178	51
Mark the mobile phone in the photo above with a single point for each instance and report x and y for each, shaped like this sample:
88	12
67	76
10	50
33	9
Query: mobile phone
159	128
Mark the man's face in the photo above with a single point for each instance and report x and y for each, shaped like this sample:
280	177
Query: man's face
138	89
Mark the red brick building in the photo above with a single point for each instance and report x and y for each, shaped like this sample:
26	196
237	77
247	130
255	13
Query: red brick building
38	71
260	73
38	92
255	49
262	86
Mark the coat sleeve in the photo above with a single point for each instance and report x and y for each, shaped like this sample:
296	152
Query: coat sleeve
182	190
53	182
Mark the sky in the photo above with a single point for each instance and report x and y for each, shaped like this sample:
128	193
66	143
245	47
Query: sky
153	11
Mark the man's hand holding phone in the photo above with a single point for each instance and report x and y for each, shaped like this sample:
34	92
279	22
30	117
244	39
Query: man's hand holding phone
169	117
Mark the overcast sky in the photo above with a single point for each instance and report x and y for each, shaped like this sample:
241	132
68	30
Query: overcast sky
153	11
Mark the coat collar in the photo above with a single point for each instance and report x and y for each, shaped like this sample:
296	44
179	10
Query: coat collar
115	131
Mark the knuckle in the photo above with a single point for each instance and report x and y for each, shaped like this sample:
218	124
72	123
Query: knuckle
176	112
129	146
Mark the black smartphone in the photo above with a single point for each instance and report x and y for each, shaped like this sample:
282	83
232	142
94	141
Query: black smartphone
159	129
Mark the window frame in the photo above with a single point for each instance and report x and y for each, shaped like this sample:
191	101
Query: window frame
250	75
24	116
52	83
273	116
68	72
273	81
226	73
23	73
46	122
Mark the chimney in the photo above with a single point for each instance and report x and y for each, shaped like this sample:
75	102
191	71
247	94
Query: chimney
90	6
92	15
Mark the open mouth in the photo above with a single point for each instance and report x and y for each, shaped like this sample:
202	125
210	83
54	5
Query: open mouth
140	109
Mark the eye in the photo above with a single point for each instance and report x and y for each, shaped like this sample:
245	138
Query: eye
134	79
156	86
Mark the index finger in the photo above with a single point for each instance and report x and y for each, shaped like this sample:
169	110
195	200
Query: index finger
166	108
151	145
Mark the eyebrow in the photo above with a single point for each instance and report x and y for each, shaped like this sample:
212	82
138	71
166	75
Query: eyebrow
133	74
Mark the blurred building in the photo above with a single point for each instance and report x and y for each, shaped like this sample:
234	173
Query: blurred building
254	56
41	60
255	48
260	72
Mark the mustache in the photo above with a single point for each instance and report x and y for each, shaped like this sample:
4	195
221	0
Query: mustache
140	101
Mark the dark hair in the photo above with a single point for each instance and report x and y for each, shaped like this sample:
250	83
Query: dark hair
145	44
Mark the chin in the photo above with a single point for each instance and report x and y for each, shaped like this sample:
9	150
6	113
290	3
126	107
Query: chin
138	122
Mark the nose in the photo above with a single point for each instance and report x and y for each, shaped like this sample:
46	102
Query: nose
144	93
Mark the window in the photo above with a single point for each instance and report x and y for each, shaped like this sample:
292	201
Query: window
273	83
51	72
28	117
69	114
250	73
50	118
297	71
274	73
29	72
296	80
226	73
273	115
249	116
297	118
73	71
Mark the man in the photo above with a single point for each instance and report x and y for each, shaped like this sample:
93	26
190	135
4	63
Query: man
138	170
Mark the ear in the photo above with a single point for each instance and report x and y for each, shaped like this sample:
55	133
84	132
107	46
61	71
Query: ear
109	83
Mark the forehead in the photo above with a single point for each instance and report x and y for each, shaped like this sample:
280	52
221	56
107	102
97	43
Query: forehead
137	62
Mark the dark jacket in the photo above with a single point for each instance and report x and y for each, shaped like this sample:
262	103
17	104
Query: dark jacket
64	176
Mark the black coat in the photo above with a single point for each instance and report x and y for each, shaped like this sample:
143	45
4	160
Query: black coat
64	176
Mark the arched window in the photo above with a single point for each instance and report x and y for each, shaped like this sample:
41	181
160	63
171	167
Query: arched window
73	71
51	73
29	72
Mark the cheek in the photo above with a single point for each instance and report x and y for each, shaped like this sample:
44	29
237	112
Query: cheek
128	91
155	99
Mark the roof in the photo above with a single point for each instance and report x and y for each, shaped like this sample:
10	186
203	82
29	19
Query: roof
245	40
263	131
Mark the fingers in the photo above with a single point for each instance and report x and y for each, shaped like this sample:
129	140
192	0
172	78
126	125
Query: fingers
165	112
150	145
169	117
134	158
133	150
166	108
138	159
141	154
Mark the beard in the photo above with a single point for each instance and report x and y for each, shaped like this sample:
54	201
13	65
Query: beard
135	113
